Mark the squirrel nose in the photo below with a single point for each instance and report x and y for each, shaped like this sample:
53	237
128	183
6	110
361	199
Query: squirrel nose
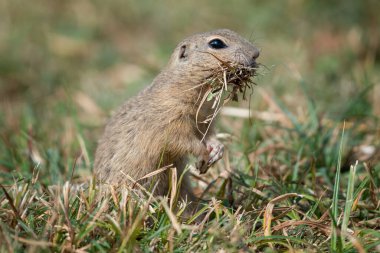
256	54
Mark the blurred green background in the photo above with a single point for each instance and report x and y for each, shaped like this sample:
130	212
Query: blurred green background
64	65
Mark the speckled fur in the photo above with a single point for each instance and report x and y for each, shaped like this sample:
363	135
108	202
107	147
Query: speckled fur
157	127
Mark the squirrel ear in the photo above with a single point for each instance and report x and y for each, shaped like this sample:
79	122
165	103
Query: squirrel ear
183	52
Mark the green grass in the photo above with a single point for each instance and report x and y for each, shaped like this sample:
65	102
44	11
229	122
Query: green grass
39	216
293	181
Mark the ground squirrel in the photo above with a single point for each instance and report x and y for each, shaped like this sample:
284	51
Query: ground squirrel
162	125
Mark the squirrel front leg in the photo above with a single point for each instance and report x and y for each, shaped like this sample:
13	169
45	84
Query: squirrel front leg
184	141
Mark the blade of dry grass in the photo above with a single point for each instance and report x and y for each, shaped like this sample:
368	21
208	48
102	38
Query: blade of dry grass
269	210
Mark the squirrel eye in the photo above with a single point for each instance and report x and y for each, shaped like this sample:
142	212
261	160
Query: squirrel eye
217	44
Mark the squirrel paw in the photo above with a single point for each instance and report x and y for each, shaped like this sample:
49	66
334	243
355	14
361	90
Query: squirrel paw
215	152
216	149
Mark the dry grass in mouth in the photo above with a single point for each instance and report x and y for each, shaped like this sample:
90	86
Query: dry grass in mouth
225	83
231	78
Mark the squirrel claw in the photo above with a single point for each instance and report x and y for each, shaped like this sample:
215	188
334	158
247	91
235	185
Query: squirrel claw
216	150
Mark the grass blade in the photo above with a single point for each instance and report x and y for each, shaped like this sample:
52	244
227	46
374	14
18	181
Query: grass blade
349	201
334	207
